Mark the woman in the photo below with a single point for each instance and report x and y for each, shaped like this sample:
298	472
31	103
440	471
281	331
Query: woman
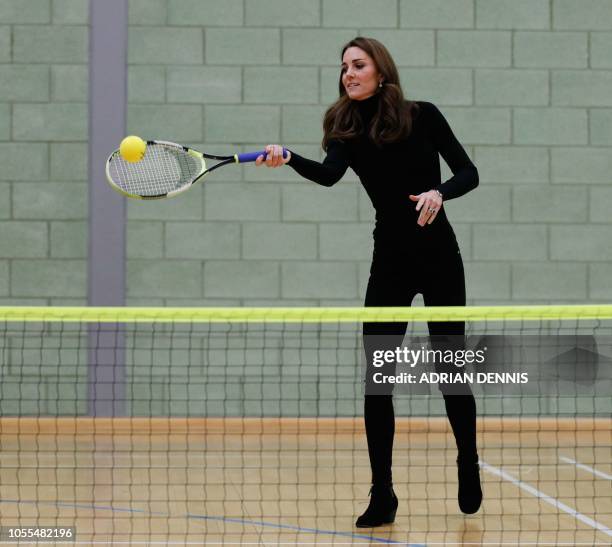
393	145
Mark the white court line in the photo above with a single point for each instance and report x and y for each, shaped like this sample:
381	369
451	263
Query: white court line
595	472
548	499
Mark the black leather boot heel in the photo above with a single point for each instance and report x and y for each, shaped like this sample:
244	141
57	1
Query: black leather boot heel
470	491
382	508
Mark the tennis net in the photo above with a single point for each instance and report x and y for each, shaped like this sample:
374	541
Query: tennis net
246	424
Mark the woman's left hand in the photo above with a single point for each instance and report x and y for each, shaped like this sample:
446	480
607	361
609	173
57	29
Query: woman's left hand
429	204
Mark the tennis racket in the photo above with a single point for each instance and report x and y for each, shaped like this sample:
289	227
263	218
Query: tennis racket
166	170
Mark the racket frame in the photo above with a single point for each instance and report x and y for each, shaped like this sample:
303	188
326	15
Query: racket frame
224	160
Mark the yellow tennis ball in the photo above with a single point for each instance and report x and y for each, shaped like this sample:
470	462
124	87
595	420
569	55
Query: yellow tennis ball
132	148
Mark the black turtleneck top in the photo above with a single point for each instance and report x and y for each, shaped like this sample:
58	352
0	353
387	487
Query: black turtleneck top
391	173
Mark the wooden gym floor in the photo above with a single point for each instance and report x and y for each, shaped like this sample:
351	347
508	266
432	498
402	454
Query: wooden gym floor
271	481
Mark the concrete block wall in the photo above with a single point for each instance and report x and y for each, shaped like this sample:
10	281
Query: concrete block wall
43	152
525	85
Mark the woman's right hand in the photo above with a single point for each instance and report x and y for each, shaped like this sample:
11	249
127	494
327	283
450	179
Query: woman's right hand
274	157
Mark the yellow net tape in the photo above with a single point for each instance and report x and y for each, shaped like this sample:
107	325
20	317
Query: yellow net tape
304	315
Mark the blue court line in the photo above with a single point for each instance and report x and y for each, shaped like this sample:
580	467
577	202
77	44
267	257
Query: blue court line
222	519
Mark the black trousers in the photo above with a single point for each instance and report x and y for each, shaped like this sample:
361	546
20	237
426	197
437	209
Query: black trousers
394	281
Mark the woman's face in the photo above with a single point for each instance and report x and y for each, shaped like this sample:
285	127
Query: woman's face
360	76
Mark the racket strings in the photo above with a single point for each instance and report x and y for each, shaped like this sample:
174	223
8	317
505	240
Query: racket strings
162	170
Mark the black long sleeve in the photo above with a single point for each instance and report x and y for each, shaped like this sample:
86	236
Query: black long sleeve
327	173
465	174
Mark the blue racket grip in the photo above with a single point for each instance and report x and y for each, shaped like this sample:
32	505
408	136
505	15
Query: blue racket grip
252	156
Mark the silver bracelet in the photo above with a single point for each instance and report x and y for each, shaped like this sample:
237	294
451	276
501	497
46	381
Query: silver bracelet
439	193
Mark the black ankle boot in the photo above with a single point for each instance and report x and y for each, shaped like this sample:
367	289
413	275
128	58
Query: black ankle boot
470	492
382	508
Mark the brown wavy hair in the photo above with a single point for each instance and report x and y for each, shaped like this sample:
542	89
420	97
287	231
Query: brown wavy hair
393	120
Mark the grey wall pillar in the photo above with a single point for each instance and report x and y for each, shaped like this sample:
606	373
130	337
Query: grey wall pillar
107	209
